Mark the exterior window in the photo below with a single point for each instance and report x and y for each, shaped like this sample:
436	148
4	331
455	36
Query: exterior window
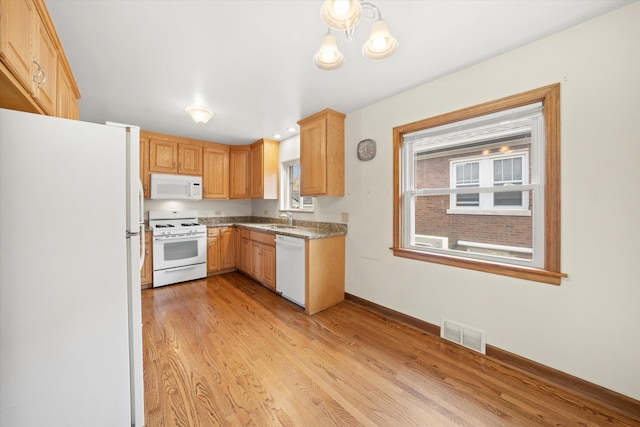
292	200
466	175
491	171
479	188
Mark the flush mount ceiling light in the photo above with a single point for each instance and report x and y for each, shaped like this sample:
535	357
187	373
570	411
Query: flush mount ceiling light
344	15
199	115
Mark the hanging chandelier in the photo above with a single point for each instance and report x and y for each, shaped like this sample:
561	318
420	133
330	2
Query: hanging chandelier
345	15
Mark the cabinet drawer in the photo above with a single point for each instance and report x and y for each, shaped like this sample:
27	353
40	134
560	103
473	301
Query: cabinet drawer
266	238
212	232
245	234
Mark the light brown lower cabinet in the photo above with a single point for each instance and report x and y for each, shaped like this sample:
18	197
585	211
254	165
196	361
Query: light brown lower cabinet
213	253
245	252
258	256
324	273
146	274
220	249
263	258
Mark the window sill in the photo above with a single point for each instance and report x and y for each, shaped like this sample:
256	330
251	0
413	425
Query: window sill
497	212
533	274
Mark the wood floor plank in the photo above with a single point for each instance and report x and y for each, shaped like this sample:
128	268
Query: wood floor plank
225	351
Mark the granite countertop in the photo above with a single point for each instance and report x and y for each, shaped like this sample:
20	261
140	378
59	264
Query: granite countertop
301	229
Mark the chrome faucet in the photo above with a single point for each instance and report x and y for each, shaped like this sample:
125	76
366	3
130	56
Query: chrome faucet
289	217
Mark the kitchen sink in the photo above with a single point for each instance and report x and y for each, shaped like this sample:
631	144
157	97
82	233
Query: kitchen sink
276	226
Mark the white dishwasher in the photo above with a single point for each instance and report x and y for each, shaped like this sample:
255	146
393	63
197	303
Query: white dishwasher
290	264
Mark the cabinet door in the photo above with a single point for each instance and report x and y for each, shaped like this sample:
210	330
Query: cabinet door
269	266
239	173
190	159
257	174
44	88
213	254
216	173
227	247
146	274
163	156
256	260
17	37
313	158
145	178
245	264
238	248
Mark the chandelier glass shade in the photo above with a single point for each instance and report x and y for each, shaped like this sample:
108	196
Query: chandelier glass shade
380	44
345	15
328	57
341	15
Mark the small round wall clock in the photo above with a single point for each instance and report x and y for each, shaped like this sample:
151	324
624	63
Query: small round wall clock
366	149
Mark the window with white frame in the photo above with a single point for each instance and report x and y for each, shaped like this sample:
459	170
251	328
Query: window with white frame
499	170
479	188
292	201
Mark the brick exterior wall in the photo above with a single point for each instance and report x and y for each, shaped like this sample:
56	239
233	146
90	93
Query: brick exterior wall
431	215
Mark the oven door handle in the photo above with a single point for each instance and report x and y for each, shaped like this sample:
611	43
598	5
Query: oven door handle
173	239
186	267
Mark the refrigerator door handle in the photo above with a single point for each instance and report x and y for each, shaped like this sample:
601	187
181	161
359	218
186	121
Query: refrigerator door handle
141	220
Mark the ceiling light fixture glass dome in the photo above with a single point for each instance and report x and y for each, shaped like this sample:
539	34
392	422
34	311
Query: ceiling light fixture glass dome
200	115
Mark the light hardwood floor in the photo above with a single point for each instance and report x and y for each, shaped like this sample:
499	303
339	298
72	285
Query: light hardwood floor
225	351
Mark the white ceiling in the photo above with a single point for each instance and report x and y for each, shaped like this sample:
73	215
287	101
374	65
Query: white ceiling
250	61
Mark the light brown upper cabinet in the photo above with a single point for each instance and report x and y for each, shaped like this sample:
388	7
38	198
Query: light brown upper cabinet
32	60
239	171
322	154
163	156
264	169
215	177
17	31
189	159
168	155
160	153
145	178
46	61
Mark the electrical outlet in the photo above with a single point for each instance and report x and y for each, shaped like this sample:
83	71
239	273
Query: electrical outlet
217	213
266	212
344	217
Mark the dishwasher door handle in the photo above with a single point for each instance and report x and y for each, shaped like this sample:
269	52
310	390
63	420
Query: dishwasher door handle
293	242
288	244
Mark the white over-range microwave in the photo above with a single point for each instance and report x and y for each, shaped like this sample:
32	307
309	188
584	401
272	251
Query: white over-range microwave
165	186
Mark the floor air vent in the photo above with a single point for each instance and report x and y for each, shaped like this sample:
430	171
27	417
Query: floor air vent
463	335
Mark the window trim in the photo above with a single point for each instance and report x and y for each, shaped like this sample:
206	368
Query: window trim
550	273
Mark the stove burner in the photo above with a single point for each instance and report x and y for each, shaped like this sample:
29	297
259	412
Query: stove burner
189	224
164	225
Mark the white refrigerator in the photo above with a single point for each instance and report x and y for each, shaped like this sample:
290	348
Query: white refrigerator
70	308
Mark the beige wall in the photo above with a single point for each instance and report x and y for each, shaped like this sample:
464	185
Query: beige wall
588	326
